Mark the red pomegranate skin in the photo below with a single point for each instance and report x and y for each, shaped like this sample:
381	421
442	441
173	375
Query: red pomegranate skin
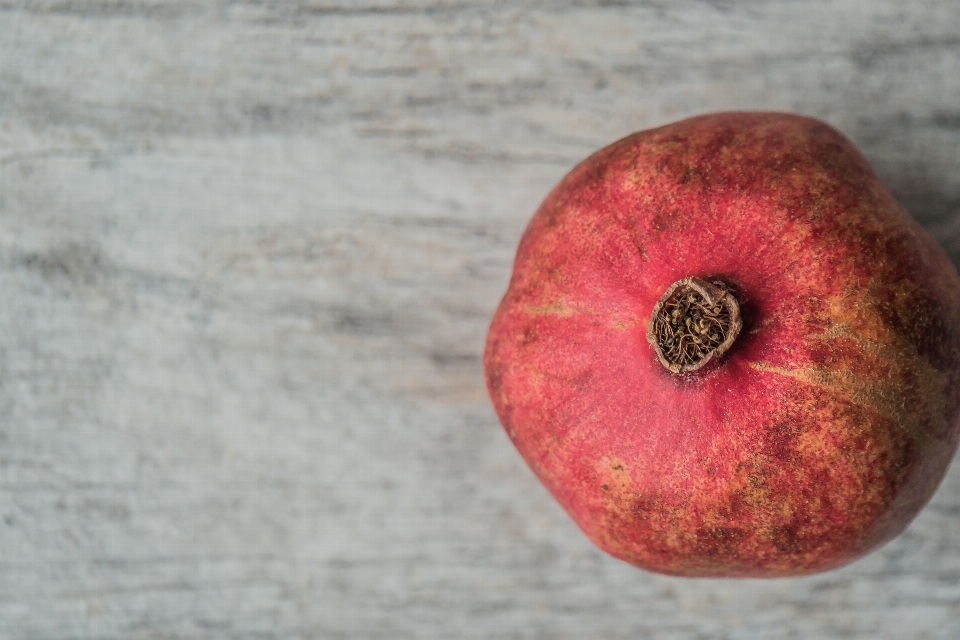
830	422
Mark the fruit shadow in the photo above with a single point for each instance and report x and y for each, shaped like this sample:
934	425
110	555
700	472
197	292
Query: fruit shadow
936	206
915	157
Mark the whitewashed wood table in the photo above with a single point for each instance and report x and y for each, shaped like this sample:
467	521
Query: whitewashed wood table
248	252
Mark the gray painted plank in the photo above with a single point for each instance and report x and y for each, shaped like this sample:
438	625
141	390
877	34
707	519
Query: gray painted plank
248	251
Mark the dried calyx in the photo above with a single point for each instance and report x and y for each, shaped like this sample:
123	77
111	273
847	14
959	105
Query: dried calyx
693	323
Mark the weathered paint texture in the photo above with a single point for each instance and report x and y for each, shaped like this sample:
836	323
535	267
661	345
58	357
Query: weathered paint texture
823	431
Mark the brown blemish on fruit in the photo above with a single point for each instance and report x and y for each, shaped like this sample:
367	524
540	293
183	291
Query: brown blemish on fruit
883	399
617	475
719	542
555	309
760	326
527	337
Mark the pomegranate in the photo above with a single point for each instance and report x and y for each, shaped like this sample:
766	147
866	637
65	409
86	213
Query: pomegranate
726	350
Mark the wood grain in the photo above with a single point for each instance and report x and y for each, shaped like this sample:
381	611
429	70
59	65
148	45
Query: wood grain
248	251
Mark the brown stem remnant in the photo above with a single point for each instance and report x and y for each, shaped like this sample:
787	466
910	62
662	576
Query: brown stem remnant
693	322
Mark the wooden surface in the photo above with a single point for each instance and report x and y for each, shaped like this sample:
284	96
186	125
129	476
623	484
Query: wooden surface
248	252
